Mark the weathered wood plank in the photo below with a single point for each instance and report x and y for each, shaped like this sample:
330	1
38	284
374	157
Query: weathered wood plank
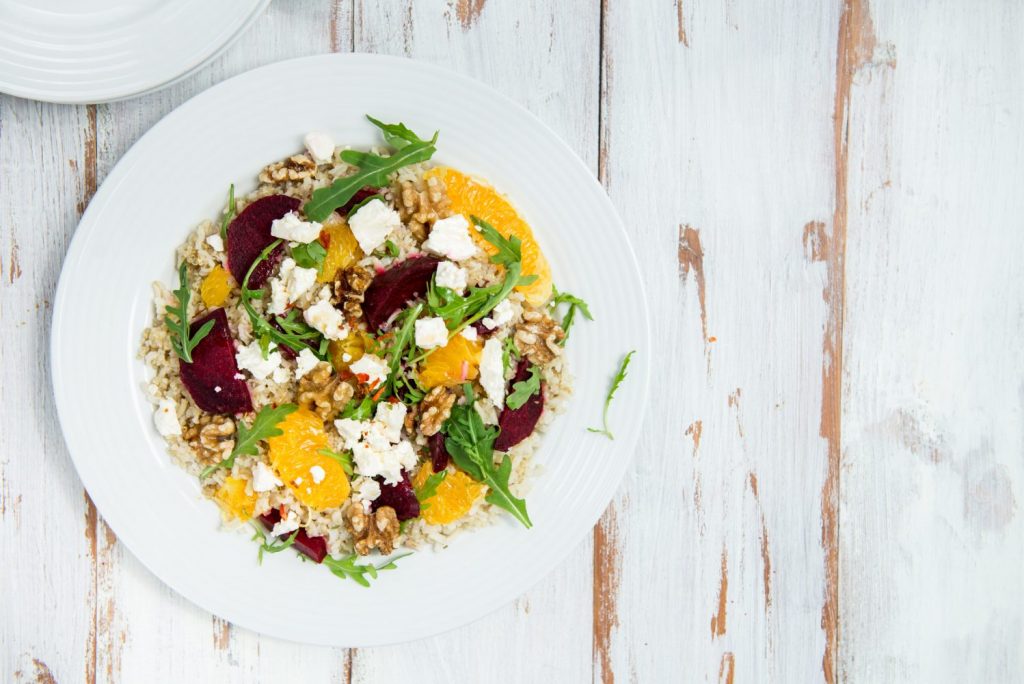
931	535
717	135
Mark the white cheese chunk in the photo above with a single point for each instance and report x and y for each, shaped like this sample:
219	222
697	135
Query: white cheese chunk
450	238
264	479
166	418
216	242
250	358
392	417
291	227
492	372
326	319
320	146
351	431
365	489
291	282
452	276
375	456
373	367
305	362
373	223
286	526
431	333
470	333
500	315
317	473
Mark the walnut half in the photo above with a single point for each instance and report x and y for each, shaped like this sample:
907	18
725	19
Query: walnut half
211	438
435	409
322	391
348	292
537	337
294	168
377	530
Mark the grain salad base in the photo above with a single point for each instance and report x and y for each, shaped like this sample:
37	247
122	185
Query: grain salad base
420	201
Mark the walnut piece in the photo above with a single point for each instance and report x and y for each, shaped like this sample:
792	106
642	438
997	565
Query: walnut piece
377	530
322	391
537	337
420	203
294	168
211	438
435	409
348	292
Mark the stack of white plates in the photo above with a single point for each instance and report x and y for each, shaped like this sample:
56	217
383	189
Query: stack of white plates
86	51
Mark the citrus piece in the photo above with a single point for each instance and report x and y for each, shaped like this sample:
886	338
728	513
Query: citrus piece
216	287
294	454
471	197
355	345
452	364
453	499
342	248
233	498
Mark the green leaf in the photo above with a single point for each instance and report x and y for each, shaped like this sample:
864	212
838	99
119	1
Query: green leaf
264	425
397	135
183	341
575	304
616	381
391	249
270	544
358	410
429	488
509	351
510	250
344	458
403	338
230	214
471	445
524	389
310	255
373	170
347	568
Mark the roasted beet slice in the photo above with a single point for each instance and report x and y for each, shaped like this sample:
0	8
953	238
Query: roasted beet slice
518	424
399	496
314	547
210	378
390	290
249	234
438	452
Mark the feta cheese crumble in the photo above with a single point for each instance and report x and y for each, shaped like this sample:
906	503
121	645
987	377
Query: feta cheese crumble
492	372
452	276
166	418
250	358
378	449
216	242
285	526
392	417
292	282
264	479
365	489
305	362
326	319
318	474
373	367
431	333
470	333
500	315
450	238
291	227
373	223
320	146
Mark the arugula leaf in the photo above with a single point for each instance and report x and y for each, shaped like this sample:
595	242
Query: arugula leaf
429	488
271	544
403	338
344	458
453	307
374	171
575	304
616	381
347	568
397	135
182	340
471	445
509	351
524	389
361	410
310	255
264	425
230	214
510	250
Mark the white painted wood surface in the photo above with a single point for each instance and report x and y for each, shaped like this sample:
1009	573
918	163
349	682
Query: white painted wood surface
826	199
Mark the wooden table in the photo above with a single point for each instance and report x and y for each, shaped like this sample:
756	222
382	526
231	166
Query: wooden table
827	199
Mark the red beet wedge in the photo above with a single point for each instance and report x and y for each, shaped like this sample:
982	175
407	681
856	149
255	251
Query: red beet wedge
399	496
518	424
394	287
249	234
314	547
210	378
438	452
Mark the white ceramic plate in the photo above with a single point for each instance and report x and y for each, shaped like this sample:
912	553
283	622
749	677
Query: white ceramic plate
177	175
86	51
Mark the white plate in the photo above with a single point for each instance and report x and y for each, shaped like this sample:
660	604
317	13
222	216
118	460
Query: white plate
176	175
87	51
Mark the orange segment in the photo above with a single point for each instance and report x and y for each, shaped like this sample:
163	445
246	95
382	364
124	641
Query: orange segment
453	499
452	364
471	197
295	452
342	248
215	288
355	345
234	500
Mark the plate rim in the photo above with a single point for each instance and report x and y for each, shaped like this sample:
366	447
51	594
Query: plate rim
80	237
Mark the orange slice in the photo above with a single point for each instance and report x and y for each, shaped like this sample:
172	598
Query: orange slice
294	454
355	345
215	288
234	500
471	197
454	497
342	248
452	364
